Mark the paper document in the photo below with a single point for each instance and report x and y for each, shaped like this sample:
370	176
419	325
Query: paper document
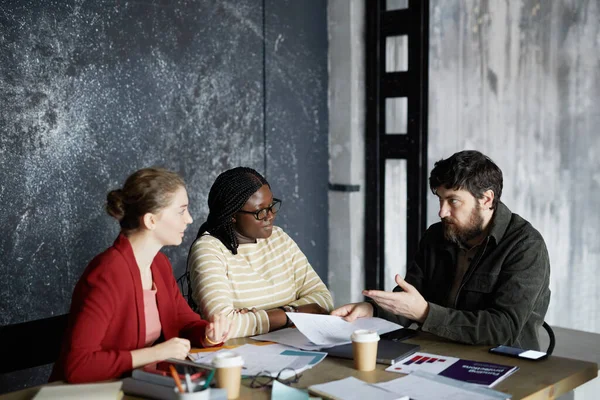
203	357
291	337
270	358
424	386
328	330
285	392
477	372
93	391
351	388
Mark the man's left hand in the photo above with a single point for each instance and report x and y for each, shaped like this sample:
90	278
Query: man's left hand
409	303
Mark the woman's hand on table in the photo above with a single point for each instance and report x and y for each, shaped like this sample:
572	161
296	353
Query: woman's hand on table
217	330
173	348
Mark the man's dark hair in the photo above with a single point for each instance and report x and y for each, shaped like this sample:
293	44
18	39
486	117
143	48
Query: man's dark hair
227	196
468	170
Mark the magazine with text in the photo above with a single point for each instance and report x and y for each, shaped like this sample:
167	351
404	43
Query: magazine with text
477	372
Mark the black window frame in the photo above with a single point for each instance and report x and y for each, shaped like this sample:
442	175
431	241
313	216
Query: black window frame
379	146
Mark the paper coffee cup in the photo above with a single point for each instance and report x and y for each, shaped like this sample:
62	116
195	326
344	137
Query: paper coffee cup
364	349
229	372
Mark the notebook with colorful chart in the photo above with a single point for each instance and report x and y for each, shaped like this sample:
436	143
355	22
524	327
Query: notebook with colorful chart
477	372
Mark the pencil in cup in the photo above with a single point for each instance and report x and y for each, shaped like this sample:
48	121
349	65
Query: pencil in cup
176	378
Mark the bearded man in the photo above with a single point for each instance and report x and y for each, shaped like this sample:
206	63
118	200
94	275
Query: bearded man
481	275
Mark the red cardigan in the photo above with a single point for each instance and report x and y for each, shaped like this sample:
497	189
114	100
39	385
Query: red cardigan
107	318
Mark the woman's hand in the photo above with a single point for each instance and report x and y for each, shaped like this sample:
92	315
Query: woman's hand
172	348
312	308
217	330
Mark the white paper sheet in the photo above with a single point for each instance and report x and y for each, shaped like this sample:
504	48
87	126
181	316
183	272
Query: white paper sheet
93	391
328	330
202	357
351	388
425	386
291	337
269	358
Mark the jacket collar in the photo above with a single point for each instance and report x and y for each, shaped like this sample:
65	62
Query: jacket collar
500	222
123	246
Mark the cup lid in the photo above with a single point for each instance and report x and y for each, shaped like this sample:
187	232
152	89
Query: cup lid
226	359
364	336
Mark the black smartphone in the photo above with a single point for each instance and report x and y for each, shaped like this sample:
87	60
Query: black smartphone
519	353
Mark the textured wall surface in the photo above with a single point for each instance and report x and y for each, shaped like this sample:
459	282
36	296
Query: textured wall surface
296	123
346	29
92	90
519	81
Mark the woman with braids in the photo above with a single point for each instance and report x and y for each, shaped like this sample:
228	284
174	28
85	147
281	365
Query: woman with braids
243	265
127	310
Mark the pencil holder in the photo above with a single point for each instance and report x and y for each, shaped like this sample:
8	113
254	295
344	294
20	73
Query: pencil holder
212	394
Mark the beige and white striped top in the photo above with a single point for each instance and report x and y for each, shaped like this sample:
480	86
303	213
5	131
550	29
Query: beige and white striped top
268	274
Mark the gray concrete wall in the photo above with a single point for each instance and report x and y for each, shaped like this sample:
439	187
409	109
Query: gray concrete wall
519	81
90	91
346	23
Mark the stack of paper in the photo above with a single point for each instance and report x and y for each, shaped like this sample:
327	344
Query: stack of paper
424	386
351	388
418	385
270	358
315	331
92	391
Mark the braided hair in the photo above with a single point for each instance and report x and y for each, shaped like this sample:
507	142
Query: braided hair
227	196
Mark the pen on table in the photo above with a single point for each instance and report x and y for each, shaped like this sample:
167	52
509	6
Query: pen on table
209	379
176	378
188	381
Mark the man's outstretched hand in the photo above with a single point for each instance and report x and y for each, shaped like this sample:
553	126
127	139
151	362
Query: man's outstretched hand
409	303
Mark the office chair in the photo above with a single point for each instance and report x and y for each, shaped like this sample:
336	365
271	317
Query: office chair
551	336
185	285
31	344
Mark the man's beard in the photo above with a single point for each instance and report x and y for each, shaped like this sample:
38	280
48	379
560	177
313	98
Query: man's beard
463	235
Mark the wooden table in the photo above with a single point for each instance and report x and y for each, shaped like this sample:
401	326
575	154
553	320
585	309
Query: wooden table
534	379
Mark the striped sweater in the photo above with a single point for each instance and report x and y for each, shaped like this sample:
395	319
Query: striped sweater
268	274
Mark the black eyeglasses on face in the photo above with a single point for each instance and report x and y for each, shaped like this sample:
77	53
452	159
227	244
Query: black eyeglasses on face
264	212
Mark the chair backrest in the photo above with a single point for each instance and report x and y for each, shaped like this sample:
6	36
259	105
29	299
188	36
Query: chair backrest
551	336
185	286
31	344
